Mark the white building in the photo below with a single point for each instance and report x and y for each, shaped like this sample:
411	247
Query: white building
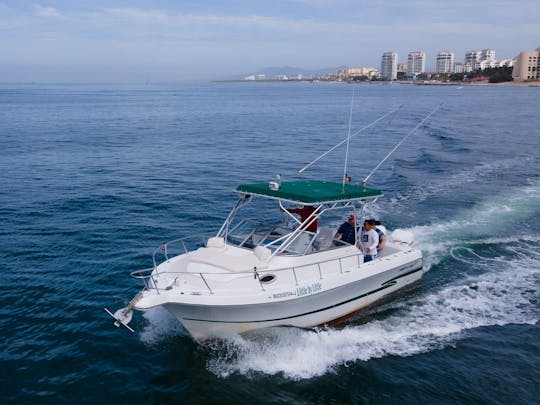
473	56
484	64
487	54
468	67
445	62
389	65
416	63
369	72
506	62
459	67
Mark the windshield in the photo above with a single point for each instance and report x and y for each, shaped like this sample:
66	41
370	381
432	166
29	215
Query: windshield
285	230
250	234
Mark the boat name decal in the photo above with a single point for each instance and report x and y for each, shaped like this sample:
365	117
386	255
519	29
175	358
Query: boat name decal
300	291
310	289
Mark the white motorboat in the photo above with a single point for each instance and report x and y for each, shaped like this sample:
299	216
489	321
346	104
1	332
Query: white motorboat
253	275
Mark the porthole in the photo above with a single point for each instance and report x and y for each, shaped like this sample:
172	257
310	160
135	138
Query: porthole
268	278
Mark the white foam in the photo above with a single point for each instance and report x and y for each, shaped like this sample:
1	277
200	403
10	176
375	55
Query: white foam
428	322
160	324
494	218
471	174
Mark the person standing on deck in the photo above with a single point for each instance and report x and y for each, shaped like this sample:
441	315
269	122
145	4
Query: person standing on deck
347	231
369	240
304	213
382	236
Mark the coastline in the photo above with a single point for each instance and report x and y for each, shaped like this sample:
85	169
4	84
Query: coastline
507	84
418	83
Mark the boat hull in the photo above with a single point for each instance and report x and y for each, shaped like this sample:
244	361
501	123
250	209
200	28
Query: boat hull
328	306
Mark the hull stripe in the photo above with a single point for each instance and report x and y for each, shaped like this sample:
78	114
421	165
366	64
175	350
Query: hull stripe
385	285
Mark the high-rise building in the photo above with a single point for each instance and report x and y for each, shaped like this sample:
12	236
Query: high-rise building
475	56
445	62
472	56
389	65
487	54
416	63
527	66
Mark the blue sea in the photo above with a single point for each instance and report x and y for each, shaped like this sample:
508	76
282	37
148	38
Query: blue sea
94	177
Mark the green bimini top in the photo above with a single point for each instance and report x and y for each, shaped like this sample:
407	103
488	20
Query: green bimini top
311	192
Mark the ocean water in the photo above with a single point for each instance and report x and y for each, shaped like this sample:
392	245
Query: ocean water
94	177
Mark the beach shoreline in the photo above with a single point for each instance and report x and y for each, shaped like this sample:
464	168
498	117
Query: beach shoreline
508	84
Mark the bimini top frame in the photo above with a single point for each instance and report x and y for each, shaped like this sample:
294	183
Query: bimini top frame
324	196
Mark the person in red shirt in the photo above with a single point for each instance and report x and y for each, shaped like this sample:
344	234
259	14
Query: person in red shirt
304	213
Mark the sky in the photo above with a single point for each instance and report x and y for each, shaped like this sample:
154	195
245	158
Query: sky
176	41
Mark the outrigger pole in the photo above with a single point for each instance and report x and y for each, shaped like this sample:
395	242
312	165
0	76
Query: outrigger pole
399	144
348	143
303	169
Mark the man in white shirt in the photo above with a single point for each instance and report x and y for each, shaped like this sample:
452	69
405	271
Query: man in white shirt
369	240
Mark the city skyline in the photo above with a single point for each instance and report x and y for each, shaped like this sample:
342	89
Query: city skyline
59	40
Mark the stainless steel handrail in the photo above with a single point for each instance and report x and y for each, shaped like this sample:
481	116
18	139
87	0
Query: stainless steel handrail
164	247
140	274
145	277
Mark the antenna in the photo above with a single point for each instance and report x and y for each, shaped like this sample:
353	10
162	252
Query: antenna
303	169
348	143
399	144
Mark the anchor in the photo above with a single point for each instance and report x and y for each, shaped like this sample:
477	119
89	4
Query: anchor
123	315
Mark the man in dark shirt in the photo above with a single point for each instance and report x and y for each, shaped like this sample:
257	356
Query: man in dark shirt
347	231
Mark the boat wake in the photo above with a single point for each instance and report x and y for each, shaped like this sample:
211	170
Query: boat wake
506	294
489	222
468	176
